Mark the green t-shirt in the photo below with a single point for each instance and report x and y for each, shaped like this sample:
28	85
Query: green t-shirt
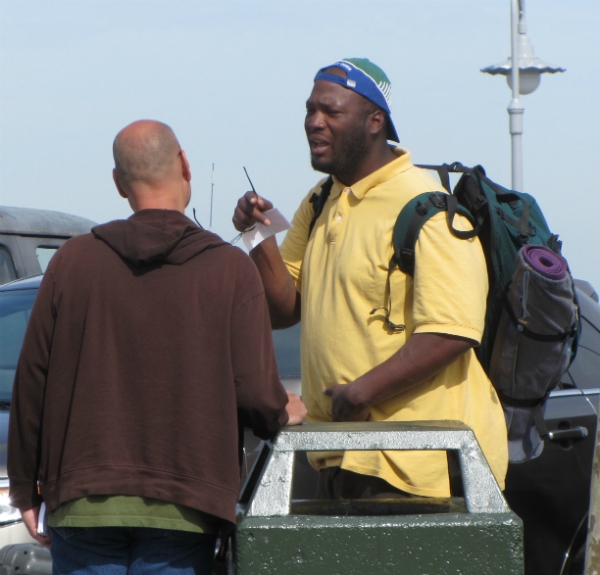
131	511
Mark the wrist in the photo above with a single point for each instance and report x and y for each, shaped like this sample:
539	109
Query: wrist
267	245
357	394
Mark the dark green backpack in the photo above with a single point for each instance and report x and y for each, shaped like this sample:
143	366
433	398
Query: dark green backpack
504	220
525	364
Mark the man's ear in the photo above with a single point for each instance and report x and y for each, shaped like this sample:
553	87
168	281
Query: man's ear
377	122
119	187
185	167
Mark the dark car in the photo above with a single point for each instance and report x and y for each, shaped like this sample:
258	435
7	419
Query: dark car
29	238
550	493
16	301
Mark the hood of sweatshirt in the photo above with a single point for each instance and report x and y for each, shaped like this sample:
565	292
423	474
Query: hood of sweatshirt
157	236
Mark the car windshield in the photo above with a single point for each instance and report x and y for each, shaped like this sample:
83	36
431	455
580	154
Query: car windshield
15	308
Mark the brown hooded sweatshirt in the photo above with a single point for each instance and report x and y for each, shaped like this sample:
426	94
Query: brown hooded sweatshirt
148	341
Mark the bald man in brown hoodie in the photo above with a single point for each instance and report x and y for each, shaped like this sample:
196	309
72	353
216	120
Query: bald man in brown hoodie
148	348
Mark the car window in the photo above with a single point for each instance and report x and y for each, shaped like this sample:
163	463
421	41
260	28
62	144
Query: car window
15	308
44	255
287	351
7	267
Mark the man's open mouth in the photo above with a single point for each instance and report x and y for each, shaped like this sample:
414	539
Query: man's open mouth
317	146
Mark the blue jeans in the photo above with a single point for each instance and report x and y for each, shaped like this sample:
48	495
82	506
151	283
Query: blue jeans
130	551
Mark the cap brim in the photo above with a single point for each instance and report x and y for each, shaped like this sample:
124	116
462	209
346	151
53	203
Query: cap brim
392	135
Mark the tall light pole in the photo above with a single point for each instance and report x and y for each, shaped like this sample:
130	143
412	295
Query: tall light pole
523	71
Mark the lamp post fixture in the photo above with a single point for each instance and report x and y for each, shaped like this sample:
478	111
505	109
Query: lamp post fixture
523	71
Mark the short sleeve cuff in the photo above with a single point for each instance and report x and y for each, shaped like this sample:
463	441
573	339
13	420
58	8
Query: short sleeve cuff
450	329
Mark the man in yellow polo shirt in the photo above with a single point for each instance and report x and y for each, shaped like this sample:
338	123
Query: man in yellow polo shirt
369	353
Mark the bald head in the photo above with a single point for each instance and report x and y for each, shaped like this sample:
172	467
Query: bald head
151	169
145	151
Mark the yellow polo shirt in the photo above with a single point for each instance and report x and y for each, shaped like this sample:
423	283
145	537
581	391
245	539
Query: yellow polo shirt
341	273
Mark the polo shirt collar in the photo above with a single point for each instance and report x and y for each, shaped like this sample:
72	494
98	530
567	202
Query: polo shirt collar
383	174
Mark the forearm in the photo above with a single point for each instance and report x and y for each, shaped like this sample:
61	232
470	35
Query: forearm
282	298
422	357
27	404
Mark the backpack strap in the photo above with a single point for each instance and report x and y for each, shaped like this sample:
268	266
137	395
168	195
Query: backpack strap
507	197
453	208
406	232
544	338
318	202
412	218
443	171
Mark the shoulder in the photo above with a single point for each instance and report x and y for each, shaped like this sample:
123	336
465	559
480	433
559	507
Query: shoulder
411	177
418	181
237	257
246	274
79	242
308	199
73	250
305	211
319	185
425	178
80	246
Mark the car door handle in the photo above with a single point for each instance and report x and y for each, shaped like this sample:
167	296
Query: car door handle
571	433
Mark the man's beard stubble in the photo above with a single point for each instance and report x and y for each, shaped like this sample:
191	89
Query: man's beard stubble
346	160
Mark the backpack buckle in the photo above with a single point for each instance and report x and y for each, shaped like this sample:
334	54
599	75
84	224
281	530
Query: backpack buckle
438	201
482	204
421	209
407	254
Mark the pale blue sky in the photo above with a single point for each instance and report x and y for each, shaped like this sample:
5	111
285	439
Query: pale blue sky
231	78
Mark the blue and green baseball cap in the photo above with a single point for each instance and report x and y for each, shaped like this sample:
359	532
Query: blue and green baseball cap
368	80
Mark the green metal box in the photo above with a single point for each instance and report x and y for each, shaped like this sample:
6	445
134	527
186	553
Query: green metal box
471	533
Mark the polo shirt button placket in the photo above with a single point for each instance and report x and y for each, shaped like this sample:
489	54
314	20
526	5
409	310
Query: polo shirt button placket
334	228
337	218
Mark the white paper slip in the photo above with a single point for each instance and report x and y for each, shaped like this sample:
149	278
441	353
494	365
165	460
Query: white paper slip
42	526
260	232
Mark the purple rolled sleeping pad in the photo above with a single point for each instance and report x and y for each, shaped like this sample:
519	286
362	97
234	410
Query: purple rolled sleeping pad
545	262
542	300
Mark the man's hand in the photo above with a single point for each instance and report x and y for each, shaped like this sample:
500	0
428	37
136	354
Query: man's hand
296	409
344	407
30	519
250	209
422	357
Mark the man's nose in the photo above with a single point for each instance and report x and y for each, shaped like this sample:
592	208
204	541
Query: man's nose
314	121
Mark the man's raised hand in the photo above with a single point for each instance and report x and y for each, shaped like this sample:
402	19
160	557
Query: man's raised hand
250	209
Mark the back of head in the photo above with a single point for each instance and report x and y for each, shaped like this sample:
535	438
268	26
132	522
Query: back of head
146	152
